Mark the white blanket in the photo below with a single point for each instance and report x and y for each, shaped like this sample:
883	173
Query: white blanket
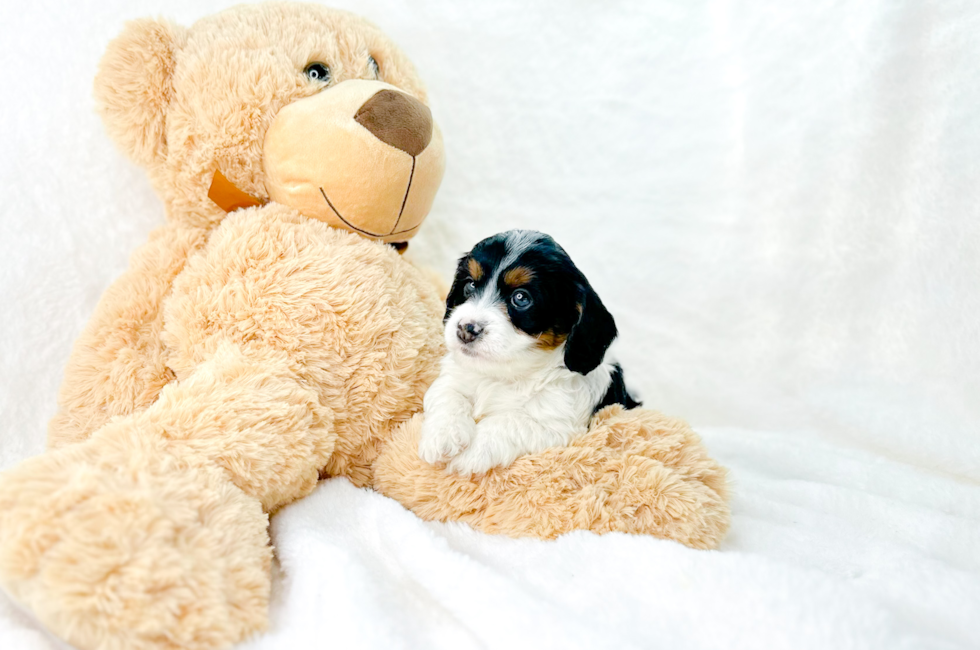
778	203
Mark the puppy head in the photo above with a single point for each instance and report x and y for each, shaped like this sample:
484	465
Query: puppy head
519	302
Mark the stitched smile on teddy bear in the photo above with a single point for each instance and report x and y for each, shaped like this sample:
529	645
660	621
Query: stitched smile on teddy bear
326	154
402	122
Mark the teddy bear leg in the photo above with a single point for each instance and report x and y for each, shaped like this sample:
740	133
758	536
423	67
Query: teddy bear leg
118	366
114	545
152	534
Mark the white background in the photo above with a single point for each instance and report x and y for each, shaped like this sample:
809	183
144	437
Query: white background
779	202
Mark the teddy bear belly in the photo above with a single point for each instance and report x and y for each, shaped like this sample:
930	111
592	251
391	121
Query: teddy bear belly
358	324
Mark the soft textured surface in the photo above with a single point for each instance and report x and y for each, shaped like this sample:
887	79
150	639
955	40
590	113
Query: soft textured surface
787	199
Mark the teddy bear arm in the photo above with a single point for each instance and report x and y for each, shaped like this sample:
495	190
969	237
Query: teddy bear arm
118	364
246	411
635	471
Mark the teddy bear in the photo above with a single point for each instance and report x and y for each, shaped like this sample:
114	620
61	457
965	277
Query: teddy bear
270	334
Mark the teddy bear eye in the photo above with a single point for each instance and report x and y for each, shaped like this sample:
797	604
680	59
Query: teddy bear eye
373	67
318	72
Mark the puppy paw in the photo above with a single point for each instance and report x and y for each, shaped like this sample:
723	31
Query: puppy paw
481	456
443	438
493	446
473	460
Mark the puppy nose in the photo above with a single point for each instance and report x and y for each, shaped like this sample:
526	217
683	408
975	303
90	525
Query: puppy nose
397	119
469	332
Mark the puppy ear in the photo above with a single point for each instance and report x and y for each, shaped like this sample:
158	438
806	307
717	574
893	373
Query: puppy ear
591	336
456	297
133	87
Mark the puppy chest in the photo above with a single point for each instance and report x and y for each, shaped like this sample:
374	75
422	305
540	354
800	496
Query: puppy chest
550	401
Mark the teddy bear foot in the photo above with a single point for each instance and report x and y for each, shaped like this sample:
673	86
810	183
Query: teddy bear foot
114	546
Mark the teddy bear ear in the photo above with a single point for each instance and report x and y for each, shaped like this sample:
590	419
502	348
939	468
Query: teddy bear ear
134	86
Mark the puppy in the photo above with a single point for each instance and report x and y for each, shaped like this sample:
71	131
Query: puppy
527	338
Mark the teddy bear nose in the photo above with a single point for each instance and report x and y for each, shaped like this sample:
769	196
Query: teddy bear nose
397	119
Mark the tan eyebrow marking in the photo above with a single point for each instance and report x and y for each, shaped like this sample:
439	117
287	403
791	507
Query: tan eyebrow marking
518	276
476	270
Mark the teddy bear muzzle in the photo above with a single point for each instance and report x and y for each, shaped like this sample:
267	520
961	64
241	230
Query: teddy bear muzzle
361	155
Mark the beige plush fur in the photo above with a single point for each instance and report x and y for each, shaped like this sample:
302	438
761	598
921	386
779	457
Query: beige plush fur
634	472
243	356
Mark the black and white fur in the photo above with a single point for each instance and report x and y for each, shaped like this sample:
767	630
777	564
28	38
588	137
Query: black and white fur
527	338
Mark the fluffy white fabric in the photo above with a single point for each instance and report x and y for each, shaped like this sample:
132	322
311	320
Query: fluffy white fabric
779	204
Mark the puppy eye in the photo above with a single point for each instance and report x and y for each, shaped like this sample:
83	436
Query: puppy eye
318	72
469	288
373	67
520	299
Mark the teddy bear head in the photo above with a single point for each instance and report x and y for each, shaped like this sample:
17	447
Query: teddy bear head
311	107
